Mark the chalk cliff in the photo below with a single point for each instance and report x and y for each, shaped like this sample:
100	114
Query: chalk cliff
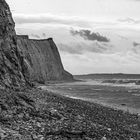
42	60
23	60
11	63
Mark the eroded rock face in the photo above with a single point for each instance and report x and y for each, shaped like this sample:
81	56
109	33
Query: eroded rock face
42	60
11	71
23	60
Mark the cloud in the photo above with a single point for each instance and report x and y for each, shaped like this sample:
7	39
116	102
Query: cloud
71	49
101	63
136	48
44	35
35	36
129	20
82	48
88	35
136	44
50	19
137	0
38	36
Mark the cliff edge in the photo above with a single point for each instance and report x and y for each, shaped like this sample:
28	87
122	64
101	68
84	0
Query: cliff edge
42	60
23	60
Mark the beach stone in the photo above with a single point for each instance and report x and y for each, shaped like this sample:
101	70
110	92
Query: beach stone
3	133
104	138
40	137
55	114
38	124
109	129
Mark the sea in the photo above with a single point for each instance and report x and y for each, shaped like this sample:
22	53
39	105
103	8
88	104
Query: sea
118	91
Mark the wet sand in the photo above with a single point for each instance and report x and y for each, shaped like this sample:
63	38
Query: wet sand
124	97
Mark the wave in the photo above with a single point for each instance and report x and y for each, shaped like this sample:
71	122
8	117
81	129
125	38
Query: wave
122	81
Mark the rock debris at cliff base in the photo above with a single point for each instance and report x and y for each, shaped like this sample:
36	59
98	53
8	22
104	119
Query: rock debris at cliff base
40	115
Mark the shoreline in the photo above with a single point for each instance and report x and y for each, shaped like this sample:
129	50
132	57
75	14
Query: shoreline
108	105
94	101
40	114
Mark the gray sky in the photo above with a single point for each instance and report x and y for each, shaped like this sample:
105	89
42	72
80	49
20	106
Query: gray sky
81	8
79	27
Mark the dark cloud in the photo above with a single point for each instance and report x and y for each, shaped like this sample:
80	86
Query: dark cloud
88	35
136	44
136	48
44	35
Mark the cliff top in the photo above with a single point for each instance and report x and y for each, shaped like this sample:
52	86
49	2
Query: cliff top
27	37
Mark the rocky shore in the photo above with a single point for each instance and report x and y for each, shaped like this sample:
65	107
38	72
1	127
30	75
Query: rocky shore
41	115
33	114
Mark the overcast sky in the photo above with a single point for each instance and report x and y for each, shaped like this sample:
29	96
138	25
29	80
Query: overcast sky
98	35
81	8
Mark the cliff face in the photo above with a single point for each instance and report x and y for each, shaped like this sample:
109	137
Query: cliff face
23	60
42	60
11	70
